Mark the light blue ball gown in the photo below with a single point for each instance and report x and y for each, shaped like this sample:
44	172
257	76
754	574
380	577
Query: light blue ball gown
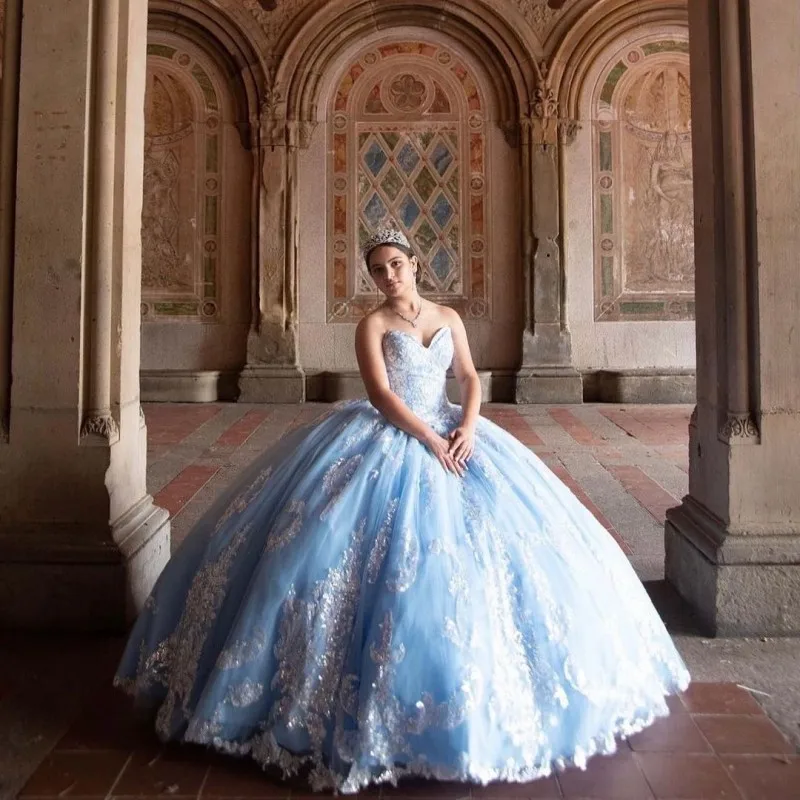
352	608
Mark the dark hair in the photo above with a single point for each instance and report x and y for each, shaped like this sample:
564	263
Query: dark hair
407	251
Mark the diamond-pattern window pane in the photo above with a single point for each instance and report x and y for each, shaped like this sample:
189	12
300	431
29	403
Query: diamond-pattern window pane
409	211
425	184
425	138
442	264
391	139
442	211
375	158
375	210
412	179
392	184
408	158
441	158
425	237
452	184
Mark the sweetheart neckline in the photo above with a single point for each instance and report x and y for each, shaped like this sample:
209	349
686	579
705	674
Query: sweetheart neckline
414	338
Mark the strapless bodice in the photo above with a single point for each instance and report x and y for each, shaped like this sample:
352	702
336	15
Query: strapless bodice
418	374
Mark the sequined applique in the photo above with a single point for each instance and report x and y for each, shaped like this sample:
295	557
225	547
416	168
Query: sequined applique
245	693
243	500
402	577
243	652
203	599
288	526
381	544
336	479
312	644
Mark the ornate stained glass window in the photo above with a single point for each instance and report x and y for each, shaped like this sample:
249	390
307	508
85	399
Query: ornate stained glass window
408	149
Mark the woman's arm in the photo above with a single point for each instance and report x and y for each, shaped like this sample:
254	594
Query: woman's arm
466	375
462	439
369	352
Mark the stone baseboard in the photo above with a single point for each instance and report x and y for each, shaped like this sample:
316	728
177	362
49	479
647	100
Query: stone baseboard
548	385
738	585
329	387
66	578
264	384
639	386
188	386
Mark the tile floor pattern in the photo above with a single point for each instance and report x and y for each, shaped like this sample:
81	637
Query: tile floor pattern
627	464
717	743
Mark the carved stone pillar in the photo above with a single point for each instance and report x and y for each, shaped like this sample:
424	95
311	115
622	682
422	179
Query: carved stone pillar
733	546
547	374
273	373
81	541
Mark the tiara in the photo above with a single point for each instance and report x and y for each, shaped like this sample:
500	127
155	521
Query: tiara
385	236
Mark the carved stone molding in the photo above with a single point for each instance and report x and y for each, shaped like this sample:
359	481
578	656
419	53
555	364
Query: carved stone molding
568	130
271	121
544	116
103	425
740	429
542	15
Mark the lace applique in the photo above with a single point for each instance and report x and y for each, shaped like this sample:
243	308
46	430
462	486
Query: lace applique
243	500
245	693
244	652
336	479
402	578
184	647
289	525
311	647
381	544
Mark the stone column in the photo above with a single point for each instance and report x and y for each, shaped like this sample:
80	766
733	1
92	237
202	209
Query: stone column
733	546
546	374
81	541
9	102
273	373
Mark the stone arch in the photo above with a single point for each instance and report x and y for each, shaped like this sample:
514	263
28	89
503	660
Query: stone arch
587	30
200	196
479	29
225	42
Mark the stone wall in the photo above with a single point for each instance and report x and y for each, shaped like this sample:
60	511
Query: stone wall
537	152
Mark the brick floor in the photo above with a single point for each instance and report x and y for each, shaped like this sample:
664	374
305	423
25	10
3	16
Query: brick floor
717	743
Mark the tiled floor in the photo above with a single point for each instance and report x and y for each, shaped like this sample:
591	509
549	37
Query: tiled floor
717	743
628	464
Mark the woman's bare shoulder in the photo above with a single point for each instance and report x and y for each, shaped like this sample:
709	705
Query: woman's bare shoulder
372	324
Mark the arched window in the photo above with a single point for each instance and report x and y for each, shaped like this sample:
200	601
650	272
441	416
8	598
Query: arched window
408	148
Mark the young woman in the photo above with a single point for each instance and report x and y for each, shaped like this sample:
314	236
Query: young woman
402	588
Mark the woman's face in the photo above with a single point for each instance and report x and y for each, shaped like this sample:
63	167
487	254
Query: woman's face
392	270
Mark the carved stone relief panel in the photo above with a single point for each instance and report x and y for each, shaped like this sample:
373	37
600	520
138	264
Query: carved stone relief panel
182	188
642	183
542	15
408	148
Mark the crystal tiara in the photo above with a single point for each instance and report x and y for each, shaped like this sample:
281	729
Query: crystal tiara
385	236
